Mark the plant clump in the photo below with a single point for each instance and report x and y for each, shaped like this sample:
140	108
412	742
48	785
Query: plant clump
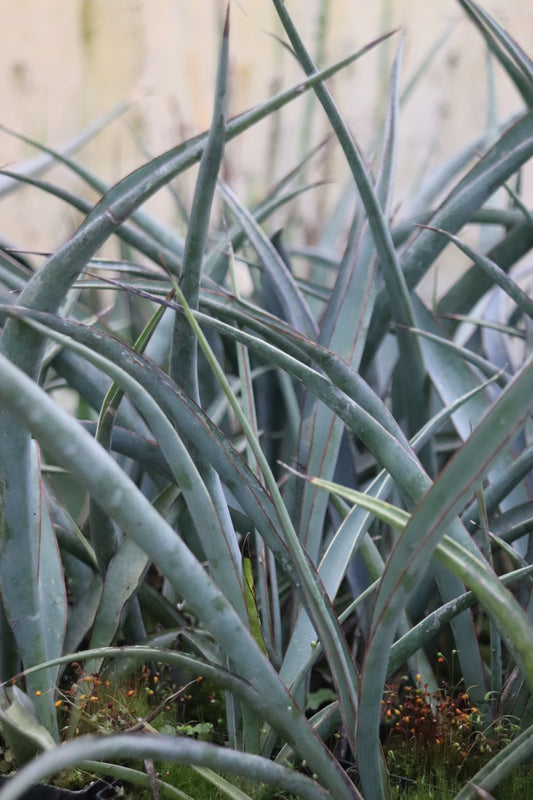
290	486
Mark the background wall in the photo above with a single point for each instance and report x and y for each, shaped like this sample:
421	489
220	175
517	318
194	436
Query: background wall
63	63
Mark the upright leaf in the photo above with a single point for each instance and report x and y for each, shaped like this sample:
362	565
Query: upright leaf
427	526
33	591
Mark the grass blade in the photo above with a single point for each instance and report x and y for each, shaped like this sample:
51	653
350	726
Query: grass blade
308	581
74	449
211	526
417	543
122	579
37	615
495	274
513	149
513	59
48	158
463	295
343	328
295	307
183	355
180	749
104	537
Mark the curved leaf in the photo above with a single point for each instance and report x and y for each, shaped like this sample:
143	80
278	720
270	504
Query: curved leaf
179	749
79	453
33	590
513	59
427	526
512	150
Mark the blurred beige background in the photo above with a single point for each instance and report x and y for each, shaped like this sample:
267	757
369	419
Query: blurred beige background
63	63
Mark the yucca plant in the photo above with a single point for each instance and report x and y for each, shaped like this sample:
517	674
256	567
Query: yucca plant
326	473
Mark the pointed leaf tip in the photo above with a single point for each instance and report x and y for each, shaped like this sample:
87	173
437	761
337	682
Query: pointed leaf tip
225	32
